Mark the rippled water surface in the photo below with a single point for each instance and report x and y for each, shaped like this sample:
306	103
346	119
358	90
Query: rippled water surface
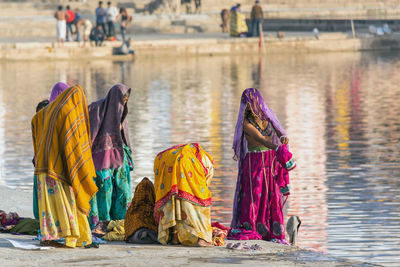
341	111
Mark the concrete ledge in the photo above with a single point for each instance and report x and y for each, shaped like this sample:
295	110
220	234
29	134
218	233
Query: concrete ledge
326	43
332	42
50	51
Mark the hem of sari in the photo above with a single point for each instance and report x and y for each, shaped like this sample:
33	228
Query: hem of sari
182	195
61	178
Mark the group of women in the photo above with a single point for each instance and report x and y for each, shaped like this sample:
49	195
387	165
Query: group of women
82	175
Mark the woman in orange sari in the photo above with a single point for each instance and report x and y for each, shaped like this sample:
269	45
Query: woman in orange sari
183	200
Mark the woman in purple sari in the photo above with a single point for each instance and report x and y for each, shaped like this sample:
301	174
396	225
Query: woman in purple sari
111	156
262	181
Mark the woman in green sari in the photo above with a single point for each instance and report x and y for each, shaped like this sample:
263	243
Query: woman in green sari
111	156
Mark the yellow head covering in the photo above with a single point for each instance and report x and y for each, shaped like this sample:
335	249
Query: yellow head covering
183	171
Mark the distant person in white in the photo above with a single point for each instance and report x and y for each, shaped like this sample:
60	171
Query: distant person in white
112	14
61	25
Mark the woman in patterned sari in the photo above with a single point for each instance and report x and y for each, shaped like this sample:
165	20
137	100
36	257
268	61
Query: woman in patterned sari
64	169
259	142
58	88
183	200
111	156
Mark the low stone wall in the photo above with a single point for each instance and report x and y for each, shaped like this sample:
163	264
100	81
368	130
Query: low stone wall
50	51
199	47
326	43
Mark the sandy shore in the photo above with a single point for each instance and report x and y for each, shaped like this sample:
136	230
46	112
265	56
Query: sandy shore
122	254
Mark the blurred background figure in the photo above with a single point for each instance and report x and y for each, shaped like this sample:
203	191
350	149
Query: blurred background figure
225	20
238	26
85	25
101	16
126	19
70	20
188	6
257	17
112	14
197	4
61	25
78	17
97	35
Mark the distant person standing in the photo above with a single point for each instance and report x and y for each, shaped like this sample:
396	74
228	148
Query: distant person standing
197	4
70	21
101	16
257	17
61	25
225	20
238	26
125	21
78	17
188	5
112	14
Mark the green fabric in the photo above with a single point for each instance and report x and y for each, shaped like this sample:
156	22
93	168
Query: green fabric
114	193
258	149
35	199
27	226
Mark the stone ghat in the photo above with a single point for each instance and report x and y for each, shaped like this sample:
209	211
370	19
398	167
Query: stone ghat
197	46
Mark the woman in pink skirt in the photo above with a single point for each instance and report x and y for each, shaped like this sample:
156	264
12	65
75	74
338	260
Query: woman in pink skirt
262	182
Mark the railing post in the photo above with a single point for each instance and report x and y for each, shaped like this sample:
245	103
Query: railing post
352	28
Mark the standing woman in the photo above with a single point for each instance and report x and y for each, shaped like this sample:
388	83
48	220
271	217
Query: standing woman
58	88
258	144
64	169
111	155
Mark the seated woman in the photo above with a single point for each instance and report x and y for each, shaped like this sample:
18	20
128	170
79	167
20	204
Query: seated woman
111	156
140	226
64	169
183	200
258	142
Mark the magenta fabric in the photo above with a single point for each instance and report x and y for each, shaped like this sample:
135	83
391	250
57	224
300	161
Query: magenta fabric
58	88
250	97
284	157
242	234
105	119
260	199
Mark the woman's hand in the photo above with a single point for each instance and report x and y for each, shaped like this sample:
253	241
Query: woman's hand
284	140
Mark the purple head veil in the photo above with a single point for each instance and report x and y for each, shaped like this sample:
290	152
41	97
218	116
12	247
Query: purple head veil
251	98
58	88
105	119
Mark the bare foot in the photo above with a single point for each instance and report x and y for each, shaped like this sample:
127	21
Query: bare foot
203	243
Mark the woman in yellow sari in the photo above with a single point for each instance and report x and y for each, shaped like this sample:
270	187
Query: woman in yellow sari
183	200
238	26
64	169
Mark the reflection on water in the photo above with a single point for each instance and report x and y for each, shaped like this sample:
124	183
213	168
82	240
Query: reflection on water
340	110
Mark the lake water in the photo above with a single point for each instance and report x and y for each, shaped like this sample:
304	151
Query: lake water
341	112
